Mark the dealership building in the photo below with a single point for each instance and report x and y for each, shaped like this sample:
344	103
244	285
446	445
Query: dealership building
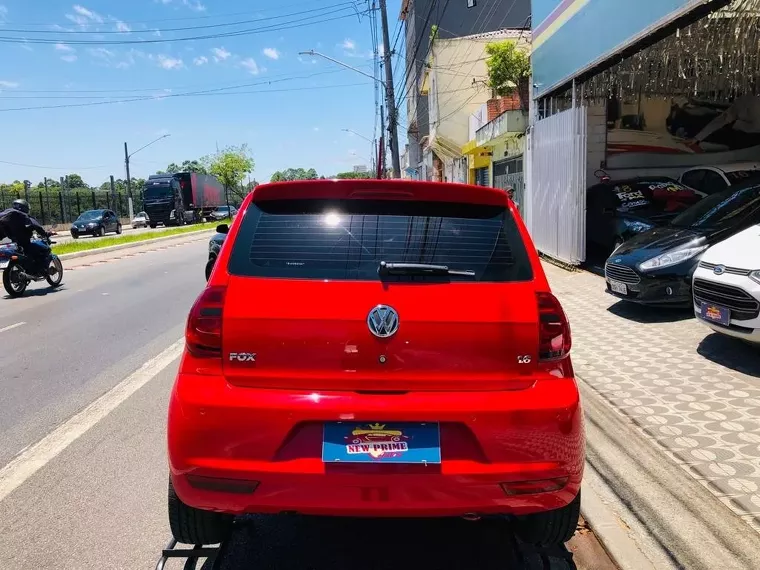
626	88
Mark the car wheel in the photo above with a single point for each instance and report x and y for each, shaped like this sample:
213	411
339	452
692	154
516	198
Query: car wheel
75	236
210	267
194	526
552	527
100	232
118	229
153	226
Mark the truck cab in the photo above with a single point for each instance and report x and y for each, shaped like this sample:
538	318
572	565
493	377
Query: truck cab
162	198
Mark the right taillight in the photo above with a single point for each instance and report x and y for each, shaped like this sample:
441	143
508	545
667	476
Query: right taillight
203	335
554	340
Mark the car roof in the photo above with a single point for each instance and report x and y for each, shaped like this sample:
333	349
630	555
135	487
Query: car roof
732	167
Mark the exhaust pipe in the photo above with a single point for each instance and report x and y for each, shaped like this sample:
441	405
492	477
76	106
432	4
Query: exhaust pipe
471	517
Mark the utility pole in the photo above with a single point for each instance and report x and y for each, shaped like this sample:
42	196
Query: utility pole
129	184
390	98
381	167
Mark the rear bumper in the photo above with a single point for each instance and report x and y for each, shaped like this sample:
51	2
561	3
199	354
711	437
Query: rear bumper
274	438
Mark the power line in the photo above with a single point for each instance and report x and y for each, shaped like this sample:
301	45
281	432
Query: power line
182	29
251	31
54	167
175	95
270	79
182	18
143	89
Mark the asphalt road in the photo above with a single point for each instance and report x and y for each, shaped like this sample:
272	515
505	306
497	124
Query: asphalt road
84	485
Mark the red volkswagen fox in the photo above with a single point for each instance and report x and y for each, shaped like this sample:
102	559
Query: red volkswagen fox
376	348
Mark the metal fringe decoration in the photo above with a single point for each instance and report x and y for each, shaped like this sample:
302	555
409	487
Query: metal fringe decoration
716	58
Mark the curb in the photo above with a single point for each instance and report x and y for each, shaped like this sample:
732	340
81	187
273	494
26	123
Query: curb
611	533
119	247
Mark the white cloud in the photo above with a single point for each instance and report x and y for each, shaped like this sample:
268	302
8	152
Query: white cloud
3	13
271	53
101	53
251	66
348	44
220	54
202	60
122	27
64	47
167	62
89	14
8	84
71	58
194	5
81	20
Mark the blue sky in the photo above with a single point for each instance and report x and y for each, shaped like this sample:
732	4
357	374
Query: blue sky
290	109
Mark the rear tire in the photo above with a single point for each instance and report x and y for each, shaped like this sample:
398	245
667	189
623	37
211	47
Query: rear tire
14	287
194	526
153	226
552	527
100	232
118	229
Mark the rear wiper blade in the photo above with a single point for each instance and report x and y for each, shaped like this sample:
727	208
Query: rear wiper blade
391	268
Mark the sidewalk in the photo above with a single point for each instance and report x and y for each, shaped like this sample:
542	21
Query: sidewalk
693	394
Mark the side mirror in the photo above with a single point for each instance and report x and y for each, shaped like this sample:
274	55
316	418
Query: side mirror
222	228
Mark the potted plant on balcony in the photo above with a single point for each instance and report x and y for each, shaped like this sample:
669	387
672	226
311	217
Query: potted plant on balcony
508	76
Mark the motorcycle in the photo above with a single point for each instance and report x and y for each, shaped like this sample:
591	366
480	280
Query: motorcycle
19	270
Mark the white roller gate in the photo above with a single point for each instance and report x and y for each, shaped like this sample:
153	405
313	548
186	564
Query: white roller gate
556	188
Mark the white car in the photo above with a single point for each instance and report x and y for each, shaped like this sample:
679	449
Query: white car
726	286
140	220
713	179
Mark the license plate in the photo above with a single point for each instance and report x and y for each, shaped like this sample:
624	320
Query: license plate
618	287
715	314
380	442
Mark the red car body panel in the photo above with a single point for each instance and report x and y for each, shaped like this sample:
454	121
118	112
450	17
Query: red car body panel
466	355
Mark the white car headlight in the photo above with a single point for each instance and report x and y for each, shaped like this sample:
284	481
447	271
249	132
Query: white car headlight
673	257
755	276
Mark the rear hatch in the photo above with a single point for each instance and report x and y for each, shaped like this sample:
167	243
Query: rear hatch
309	296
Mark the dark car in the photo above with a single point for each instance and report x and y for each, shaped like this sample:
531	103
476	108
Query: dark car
656	267
214	246
617	210
95	223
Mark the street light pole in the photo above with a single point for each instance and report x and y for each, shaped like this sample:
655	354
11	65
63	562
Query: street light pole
127	156
371	145
387	85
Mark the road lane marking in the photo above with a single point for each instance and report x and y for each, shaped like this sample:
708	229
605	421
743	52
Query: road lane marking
27	463
11	327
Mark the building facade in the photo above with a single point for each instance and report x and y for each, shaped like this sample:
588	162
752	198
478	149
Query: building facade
452	19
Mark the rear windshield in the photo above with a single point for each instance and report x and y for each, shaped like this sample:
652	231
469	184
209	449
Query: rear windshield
347	240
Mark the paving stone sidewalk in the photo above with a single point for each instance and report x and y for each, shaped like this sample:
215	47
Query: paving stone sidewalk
696	394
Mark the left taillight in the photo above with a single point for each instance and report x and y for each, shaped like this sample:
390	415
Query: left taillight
554	339
203	334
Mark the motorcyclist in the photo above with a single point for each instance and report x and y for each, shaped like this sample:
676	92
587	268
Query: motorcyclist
17	225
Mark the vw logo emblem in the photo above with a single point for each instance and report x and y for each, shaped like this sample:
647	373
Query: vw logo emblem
383	321
719	269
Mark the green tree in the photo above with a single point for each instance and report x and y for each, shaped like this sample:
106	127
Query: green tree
508	67
353	175
230	166
75	181
294	174
186	166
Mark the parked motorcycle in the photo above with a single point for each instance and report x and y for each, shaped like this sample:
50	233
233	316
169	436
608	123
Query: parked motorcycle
20	269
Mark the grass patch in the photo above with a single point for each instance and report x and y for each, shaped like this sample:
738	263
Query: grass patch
87	245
